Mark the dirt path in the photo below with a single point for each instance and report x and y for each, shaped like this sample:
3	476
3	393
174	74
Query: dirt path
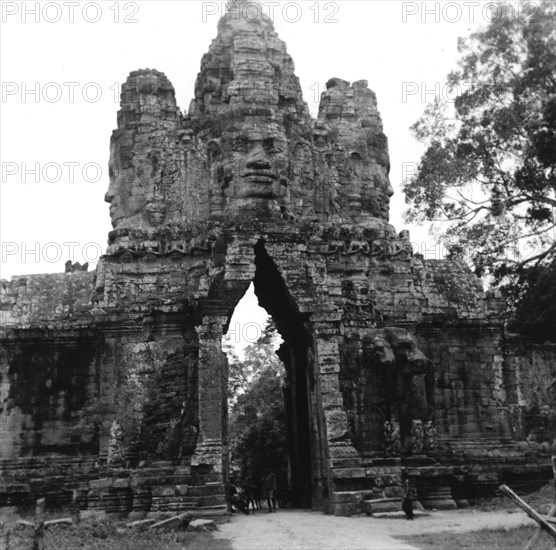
305	530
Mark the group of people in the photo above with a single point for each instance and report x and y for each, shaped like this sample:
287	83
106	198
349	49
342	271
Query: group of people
250	494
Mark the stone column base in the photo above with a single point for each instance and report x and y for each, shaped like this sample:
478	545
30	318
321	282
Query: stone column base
208	453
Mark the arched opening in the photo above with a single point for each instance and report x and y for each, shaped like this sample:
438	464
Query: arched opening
295	353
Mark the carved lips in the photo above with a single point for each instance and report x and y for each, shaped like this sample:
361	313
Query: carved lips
262	177
260	183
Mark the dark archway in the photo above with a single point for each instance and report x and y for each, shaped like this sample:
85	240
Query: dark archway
275	298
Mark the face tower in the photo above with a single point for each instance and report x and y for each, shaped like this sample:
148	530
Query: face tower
248	148
248	186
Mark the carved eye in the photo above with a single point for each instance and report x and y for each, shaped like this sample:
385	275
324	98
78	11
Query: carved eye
355	164
269	145
239	144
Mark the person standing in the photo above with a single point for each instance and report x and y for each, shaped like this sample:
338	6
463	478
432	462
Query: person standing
270	489
407	495
249	494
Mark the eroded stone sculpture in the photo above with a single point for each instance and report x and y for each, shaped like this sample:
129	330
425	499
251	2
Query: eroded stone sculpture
431	437
406	377
416	443
392	439
116	458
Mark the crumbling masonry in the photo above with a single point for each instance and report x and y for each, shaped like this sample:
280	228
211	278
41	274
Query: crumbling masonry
113	383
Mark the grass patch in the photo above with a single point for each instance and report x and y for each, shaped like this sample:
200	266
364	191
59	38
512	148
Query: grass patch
112	536
488	539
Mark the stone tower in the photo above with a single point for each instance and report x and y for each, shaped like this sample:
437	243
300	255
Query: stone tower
118	379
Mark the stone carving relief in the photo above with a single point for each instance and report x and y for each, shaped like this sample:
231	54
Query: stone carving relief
408	385
431	437
142	152
251	167
392	440
116	457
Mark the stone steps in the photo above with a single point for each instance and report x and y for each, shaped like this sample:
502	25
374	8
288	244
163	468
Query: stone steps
399	514
375	506
83	483
481	446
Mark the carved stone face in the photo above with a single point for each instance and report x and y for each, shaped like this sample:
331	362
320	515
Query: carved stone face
130	204
125	206
134	203
252	166
384	194
364	189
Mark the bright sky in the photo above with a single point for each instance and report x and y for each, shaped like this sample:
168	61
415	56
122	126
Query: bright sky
62	63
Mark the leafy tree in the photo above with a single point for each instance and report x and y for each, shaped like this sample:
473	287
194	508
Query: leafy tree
258	438
489	168
258	426
238	375
535	316
256	355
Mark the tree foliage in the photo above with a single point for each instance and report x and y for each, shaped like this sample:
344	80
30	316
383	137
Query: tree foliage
257	354
535	316
258	438
489	168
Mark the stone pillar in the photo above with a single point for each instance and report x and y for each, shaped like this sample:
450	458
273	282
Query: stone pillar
213	375
343	460
434	488
108	391
328	364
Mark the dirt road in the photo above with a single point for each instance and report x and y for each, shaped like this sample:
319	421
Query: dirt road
305	530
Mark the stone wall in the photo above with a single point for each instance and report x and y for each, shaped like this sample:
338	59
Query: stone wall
144	364
470	394
49	393
48	366
46	300
532	368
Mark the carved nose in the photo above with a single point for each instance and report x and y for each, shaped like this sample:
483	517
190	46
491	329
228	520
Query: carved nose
110	192
258	162
389	189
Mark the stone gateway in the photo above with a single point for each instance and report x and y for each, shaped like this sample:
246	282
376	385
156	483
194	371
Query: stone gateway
113	382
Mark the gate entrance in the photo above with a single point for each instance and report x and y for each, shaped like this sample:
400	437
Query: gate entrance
295	356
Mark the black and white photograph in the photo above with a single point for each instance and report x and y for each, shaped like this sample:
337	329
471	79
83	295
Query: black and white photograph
277	274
